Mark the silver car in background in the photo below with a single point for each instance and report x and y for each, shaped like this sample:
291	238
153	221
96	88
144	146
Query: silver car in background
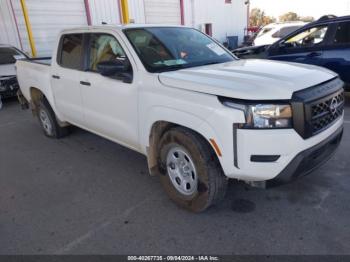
8	79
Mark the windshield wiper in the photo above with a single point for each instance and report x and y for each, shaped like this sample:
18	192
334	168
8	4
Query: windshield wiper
174	67
183	66
211	63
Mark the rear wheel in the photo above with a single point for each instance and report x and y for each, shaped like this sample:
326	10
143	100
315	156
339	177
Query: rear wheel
48	121
191	173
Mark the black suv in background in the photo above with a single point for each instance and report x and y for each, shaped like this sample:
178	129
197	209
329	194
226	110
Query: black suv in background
325	42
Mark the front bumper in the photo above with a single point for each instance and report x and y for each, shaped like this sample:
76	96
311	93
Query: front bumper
9	93
286	144
8	86
308	160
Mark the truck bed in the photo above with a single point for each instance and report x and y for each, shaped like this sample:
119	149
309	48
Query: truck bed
39	60
34	73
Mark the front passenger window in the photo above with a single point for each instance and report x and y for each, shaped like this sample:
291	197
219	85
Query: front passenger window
104	48
308	38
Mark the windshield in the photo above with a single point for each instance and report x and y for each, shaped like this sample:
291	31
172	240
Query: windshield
264	31
170	48
9	55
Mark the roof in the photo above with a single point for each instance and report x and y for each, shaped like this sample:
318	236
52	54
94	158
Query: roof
288	22
331	19
5	45
120	26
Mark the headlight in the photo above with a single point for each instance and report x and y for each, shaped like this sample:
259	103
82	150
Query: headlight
265	115
269	116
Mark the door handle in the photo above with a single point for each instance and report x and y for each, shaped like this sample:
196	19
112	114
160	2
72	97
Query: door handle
85	83
314	54
56	77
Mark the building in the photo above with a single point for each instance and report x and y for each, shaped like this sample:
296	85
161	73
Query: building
32	25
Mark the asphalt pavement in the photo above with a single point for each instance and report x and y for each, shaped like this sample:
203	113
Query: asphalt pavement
86	195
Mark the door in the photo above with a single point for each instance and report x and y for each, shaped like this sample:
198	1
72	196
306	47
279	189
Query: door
305	46
47	19
163	12
66	72
110	103
9	34
337	52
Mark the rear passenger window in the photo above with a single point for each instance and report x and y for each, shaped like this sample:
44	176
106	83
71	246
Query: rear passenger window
71	51
342	35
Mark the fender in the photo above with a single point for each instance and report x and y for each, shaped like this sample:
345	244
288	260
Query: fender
180	118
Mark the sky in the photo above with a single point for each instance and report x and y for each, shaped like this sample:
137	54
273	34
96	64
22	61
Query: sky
315	8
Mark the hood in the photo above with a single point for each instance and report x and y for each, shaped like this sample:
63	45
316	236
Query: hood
248	79
251	52
7	70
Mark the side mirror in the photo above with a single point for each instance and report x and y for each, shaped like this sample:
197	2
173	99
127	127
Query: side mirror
282	45
110	68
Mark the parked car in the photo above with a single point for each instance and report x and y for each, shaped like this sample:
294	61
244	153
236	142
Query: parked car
325	42
271	33
8	80
199	115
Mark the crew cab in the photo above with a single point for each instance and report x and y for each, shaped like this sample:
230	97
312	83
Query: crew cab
199	114
325	43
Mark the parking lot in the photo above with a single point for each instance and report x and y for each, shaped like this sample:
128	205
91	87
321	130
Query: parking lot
86	195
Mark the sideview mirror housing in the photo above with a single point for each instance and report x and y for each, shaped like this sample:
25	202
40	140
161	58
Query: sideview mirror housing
282	44
110	68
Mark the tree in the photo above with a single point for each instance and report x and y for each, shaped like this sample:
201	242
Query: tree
268	20
307	19
290	16
258	18
255	18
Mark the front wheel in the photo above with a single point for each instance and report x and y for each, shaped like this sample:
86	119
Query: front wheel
191	173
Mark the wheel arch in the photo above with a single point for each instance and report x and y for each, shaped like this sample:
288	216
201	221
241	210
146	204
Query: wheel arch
36	95
157	128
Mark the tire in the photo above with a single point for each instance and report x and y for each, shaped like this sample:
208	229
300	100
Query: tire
185	158
48	121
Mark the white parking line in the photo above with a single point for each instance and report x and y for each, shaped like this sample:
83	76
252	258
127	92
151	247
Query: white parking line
65	249
80	239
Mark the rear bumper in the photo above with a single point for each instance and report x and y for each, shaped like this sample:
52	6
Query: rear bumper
306	161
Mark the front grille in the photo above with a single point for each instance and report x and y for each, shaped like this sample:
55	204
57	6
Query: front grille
318	107
325	112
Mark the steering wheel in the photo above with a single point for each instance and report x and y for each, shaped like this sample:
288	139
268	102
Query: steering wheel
152	55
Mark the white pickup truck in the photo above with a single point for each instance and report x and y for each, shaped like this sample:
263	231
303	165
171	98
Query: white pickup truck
198	113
